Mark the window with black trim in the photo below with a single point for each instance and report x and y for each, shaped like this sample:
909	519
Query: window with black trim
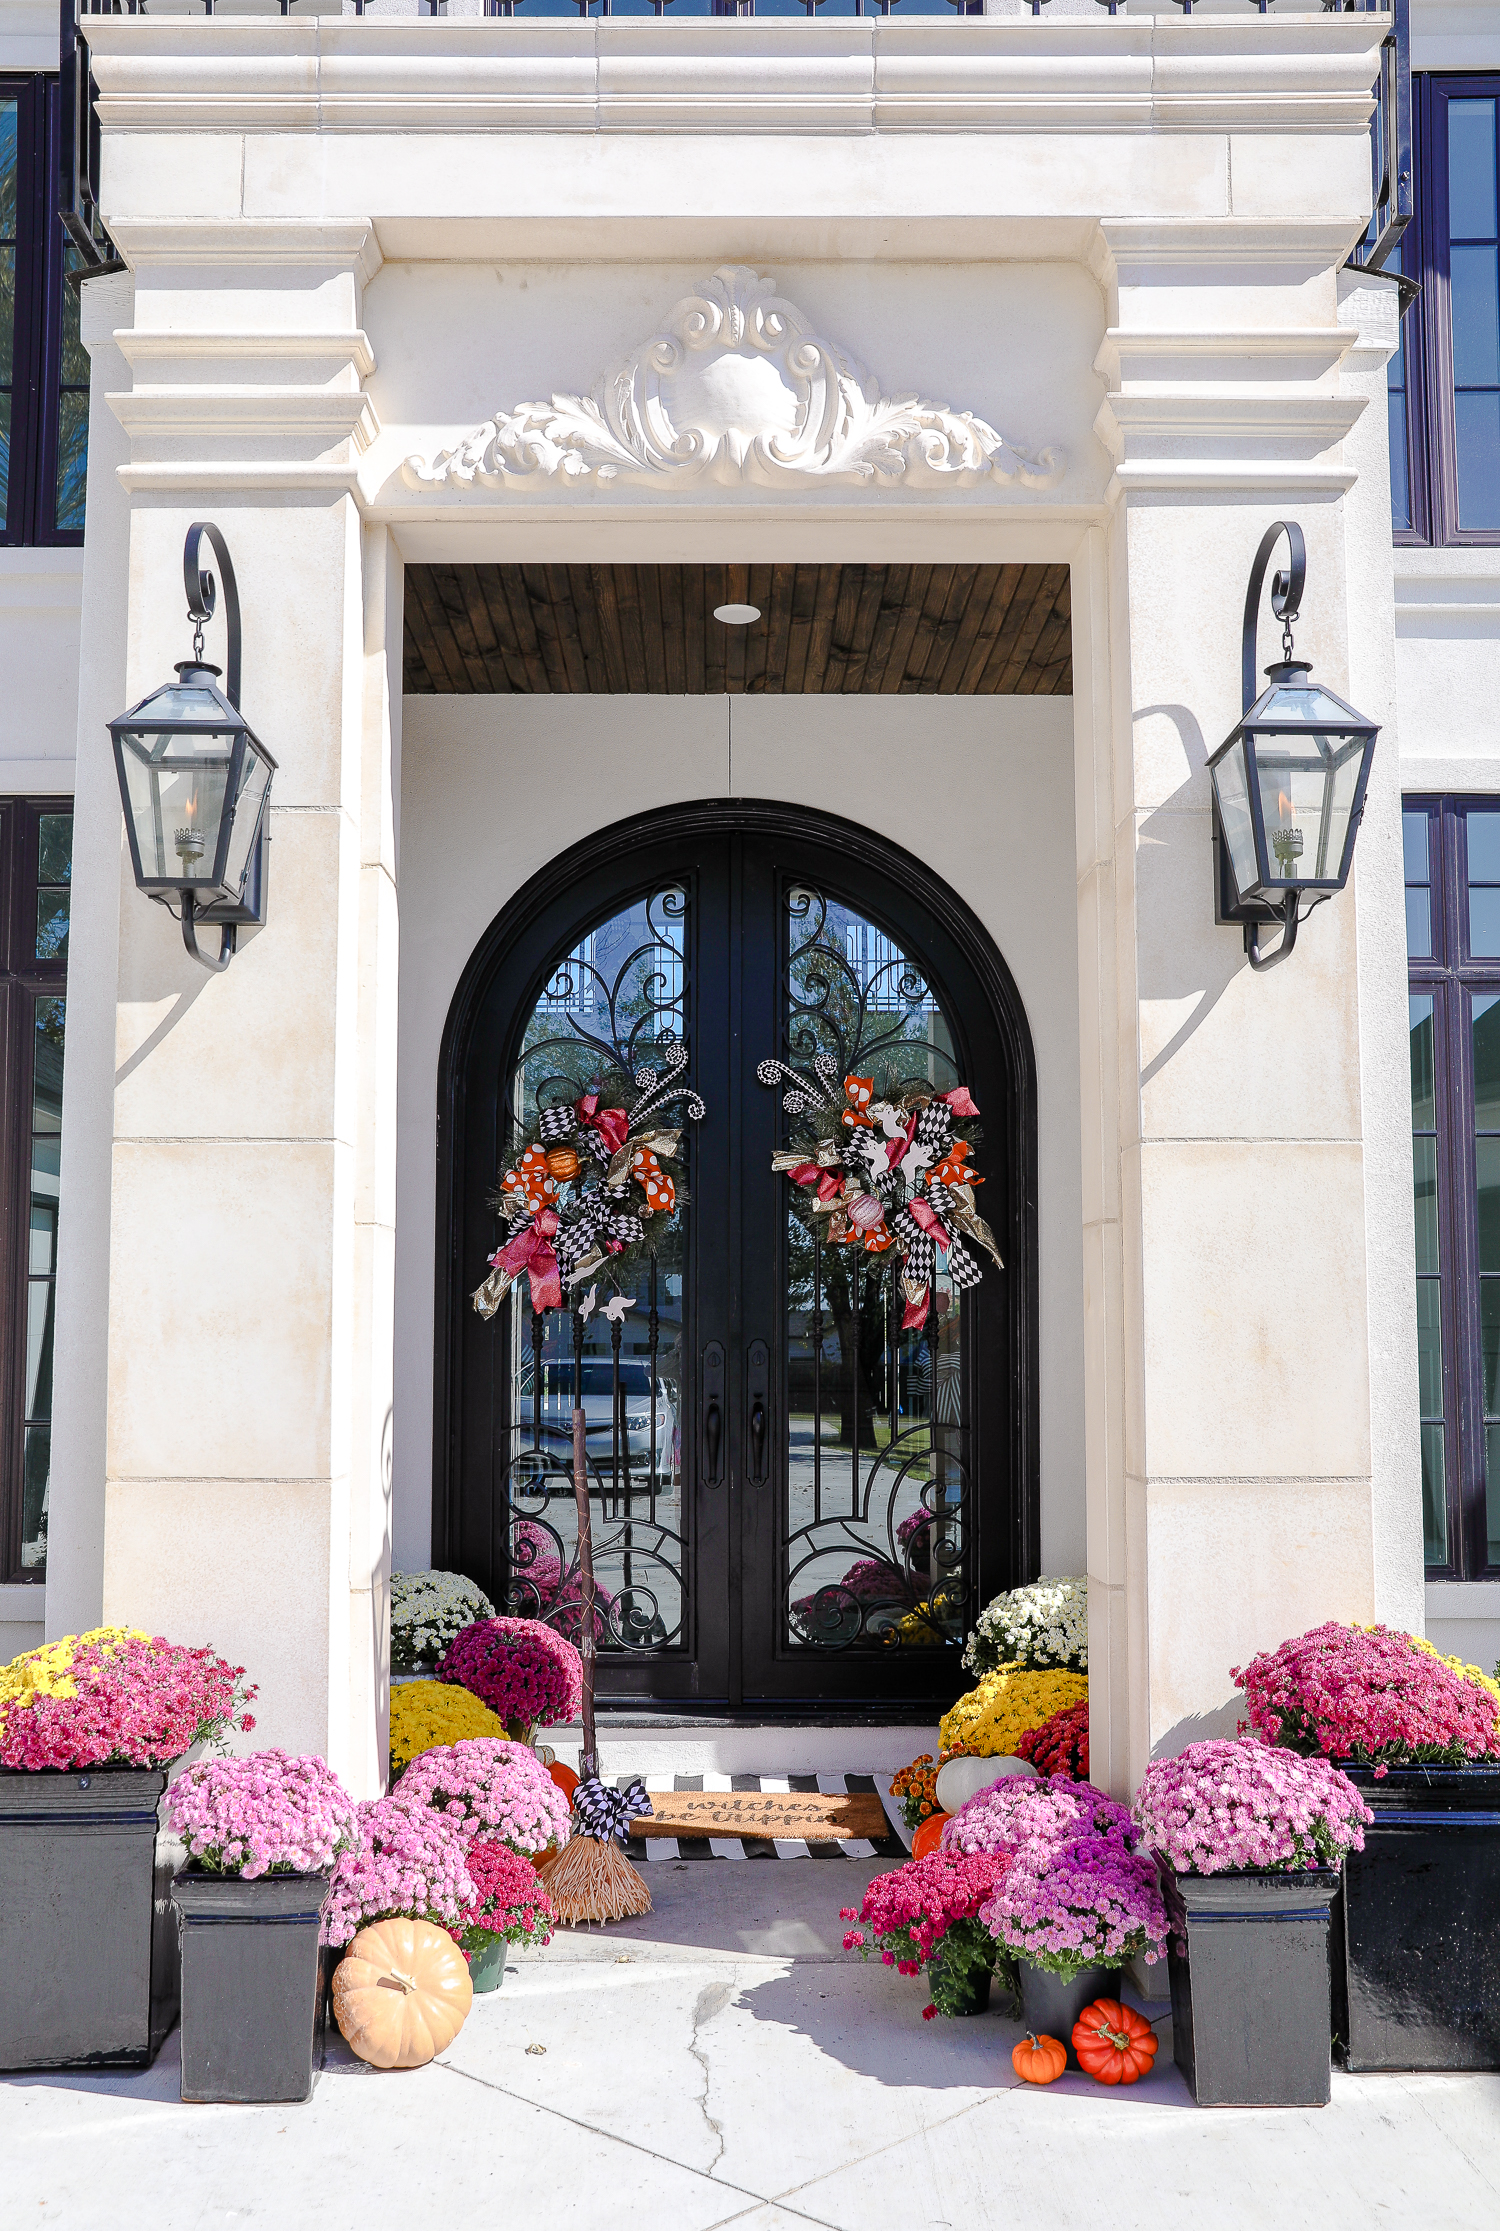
44	369
1453	964
36	873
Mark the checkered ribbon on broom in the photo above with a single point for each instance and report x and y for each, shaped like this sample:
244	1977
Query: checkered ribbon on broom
603	1812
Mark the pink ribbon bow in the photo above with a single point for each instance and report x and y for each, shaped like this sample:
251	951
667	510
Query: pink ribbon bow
931	1223
612	1124
810	1173
532	1251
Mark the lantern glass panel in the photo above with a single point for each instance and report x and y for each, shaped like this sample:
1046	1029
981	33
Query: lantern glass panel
176	785
254	782
1308	786
1233	793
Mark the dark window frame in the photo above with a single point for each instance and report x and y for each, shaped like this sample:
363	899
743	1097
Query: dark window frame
1427	330
1452	977
23	980
41	302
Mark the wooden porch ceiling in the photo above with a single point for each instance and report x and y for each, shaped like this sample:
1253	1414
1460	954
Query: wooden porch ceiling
903	630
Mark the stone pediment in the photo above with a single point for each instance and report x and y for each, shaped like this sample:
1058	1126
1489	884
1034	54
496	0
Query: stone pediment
736	389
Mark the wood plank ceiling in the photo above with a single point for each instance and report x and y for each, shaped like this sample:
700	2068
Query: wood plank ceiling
902	630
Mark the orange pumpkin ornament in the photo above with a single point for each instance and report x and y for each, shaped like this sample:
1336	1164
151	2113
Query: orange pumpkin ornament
1039	2060
1114	2044
401	1993
929	1835
565	1778
562	1163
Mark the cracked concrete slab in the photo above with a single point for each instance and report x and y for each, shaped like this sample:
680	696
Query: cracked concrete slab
722	2061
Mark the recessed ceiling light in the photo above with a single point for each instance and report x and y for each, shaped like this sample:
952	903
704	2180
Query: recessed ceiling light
736	615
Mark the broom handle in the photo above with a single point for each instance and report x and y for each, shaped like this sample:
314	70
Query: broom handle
589	1761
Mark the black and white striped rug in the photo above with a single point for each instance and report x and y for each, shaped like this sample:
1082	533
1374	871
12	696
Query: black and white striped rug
650	1850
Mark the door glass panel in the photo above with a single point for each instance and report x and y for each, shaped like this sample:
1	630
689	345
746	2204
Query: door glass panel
875	1519
1414	845
613	1005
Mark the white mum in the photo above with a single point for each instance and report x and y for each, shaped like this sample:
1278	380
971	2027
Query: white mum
427	1611
1044	1624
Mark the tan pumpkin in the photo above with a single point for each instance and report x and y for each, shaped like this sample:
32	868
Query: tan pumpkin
401	1993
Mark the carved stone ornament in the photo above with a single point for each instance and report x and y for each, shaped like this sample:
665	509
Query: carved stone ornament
738	390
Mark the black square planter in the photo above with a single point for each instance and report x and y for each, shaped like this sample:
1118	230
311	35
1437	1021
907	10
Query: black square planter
1250	1999
88	1943
1416	1967
254	1994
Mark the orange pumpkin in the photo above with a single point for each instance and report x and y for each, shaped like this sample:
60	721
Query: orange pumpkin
1114	2044
564	1776
562	1163
1039	2060
401	1993
929	1835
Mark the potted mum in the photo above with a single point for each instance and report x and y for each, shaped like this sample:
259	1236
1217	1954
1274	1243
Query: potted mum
429	1714
926	1914
427	1610
529	1675
491	1789
1414	1983
1255	1837
407	1859
263	1834
89	1726
510	1907
1075	1902
1045	1624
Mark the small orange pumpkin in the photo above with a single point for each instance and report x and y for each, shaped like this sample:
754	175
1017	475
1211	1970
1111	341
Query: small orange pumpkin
401	1993
564	1776
929	1835
1114	2044
562	1163
1039	2060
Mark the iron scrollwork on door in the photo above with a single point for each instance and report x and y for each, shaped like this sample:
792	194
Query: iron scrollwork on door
615	1005
876	1520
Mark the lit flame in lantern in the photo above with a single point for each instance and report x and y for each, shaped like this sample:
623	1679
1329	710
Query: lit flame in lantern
1283	805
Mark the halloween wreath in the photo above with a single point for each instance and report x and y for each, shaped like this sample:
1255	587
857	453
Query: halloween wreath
584	1181
887	1173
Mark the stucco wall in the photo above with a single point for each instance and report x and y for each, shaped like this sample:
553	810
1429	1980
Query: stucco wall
482	807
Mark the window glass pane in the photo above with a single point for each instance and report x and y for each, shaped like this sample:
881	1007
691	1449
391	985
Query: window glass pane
52	925
1487	1181
1492	1491
1477	418
72	459
42	1258
1429	1348
1489	1341
1476	317
7	313
46	1097
39	1293
1484	921
1424	1200
1423	1116
74	356
1418	922
1486	1034
9	117
1413	846
35	1482
54	852
1471	170
1400	465
1482	830
1434	1496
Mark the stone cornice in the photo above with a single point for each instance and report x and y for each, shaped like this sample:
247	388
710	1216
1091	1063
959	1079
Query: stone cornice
1276	74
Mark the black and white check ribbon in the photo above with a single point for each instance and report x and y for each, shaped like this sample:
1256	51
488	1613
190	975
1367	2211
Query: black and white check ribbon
600	1219
602	1812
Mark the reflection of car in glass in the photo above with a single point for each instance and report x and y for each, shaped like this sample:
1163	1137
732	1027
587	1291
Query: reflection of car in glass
635	1400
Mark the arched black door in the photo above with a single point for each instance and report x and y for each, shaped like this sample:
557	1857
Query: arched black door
797	1503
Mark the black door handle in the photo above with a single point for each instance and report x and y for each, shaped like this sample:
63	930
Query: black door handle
713	1413
758	1397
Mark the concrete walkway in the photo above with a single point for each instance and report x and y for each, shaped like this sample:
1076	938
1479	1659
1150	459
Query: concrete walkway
723	2061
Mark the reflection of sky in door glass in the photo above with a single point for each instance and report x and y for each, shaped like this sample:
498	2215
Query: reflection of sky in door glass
1474	295
874	1523
1482	830
618	992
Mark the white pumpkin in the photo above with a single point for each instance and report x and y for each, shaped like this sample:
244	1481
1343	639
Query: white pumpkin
963	1778
401	1993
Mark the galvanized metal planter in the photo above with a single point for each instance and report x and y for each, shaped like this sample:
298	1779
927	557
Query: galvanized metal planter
88	1945
1250	1999
253	1996
1416	1973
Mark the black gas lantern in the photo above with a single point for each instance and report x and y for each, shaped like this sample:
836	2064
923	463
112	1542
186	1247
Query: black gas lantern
195	778
1289	783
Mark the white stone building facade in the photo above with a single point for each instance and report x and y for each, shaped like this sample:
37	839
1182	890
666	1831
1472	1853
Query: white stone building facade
1106	256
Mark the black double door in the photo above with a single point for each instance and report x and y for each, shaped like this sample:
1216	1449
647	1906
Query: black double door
798	1504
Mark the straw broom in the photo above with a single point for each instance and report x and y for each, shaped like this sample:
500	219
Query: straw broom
590	1879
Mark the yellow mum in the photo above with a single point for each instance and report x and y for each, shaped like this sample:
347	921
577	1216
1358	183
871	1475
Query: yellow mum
47	1670
993	1717
427	1715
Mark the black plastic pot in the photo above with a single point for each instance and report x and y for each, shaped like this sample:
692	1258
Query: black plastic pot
88	1948
1416	1976
1250	1997
253	1995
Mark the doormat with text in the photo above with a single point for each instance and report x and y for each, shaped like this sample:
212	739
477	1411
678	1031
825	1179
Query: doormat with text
765	1816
